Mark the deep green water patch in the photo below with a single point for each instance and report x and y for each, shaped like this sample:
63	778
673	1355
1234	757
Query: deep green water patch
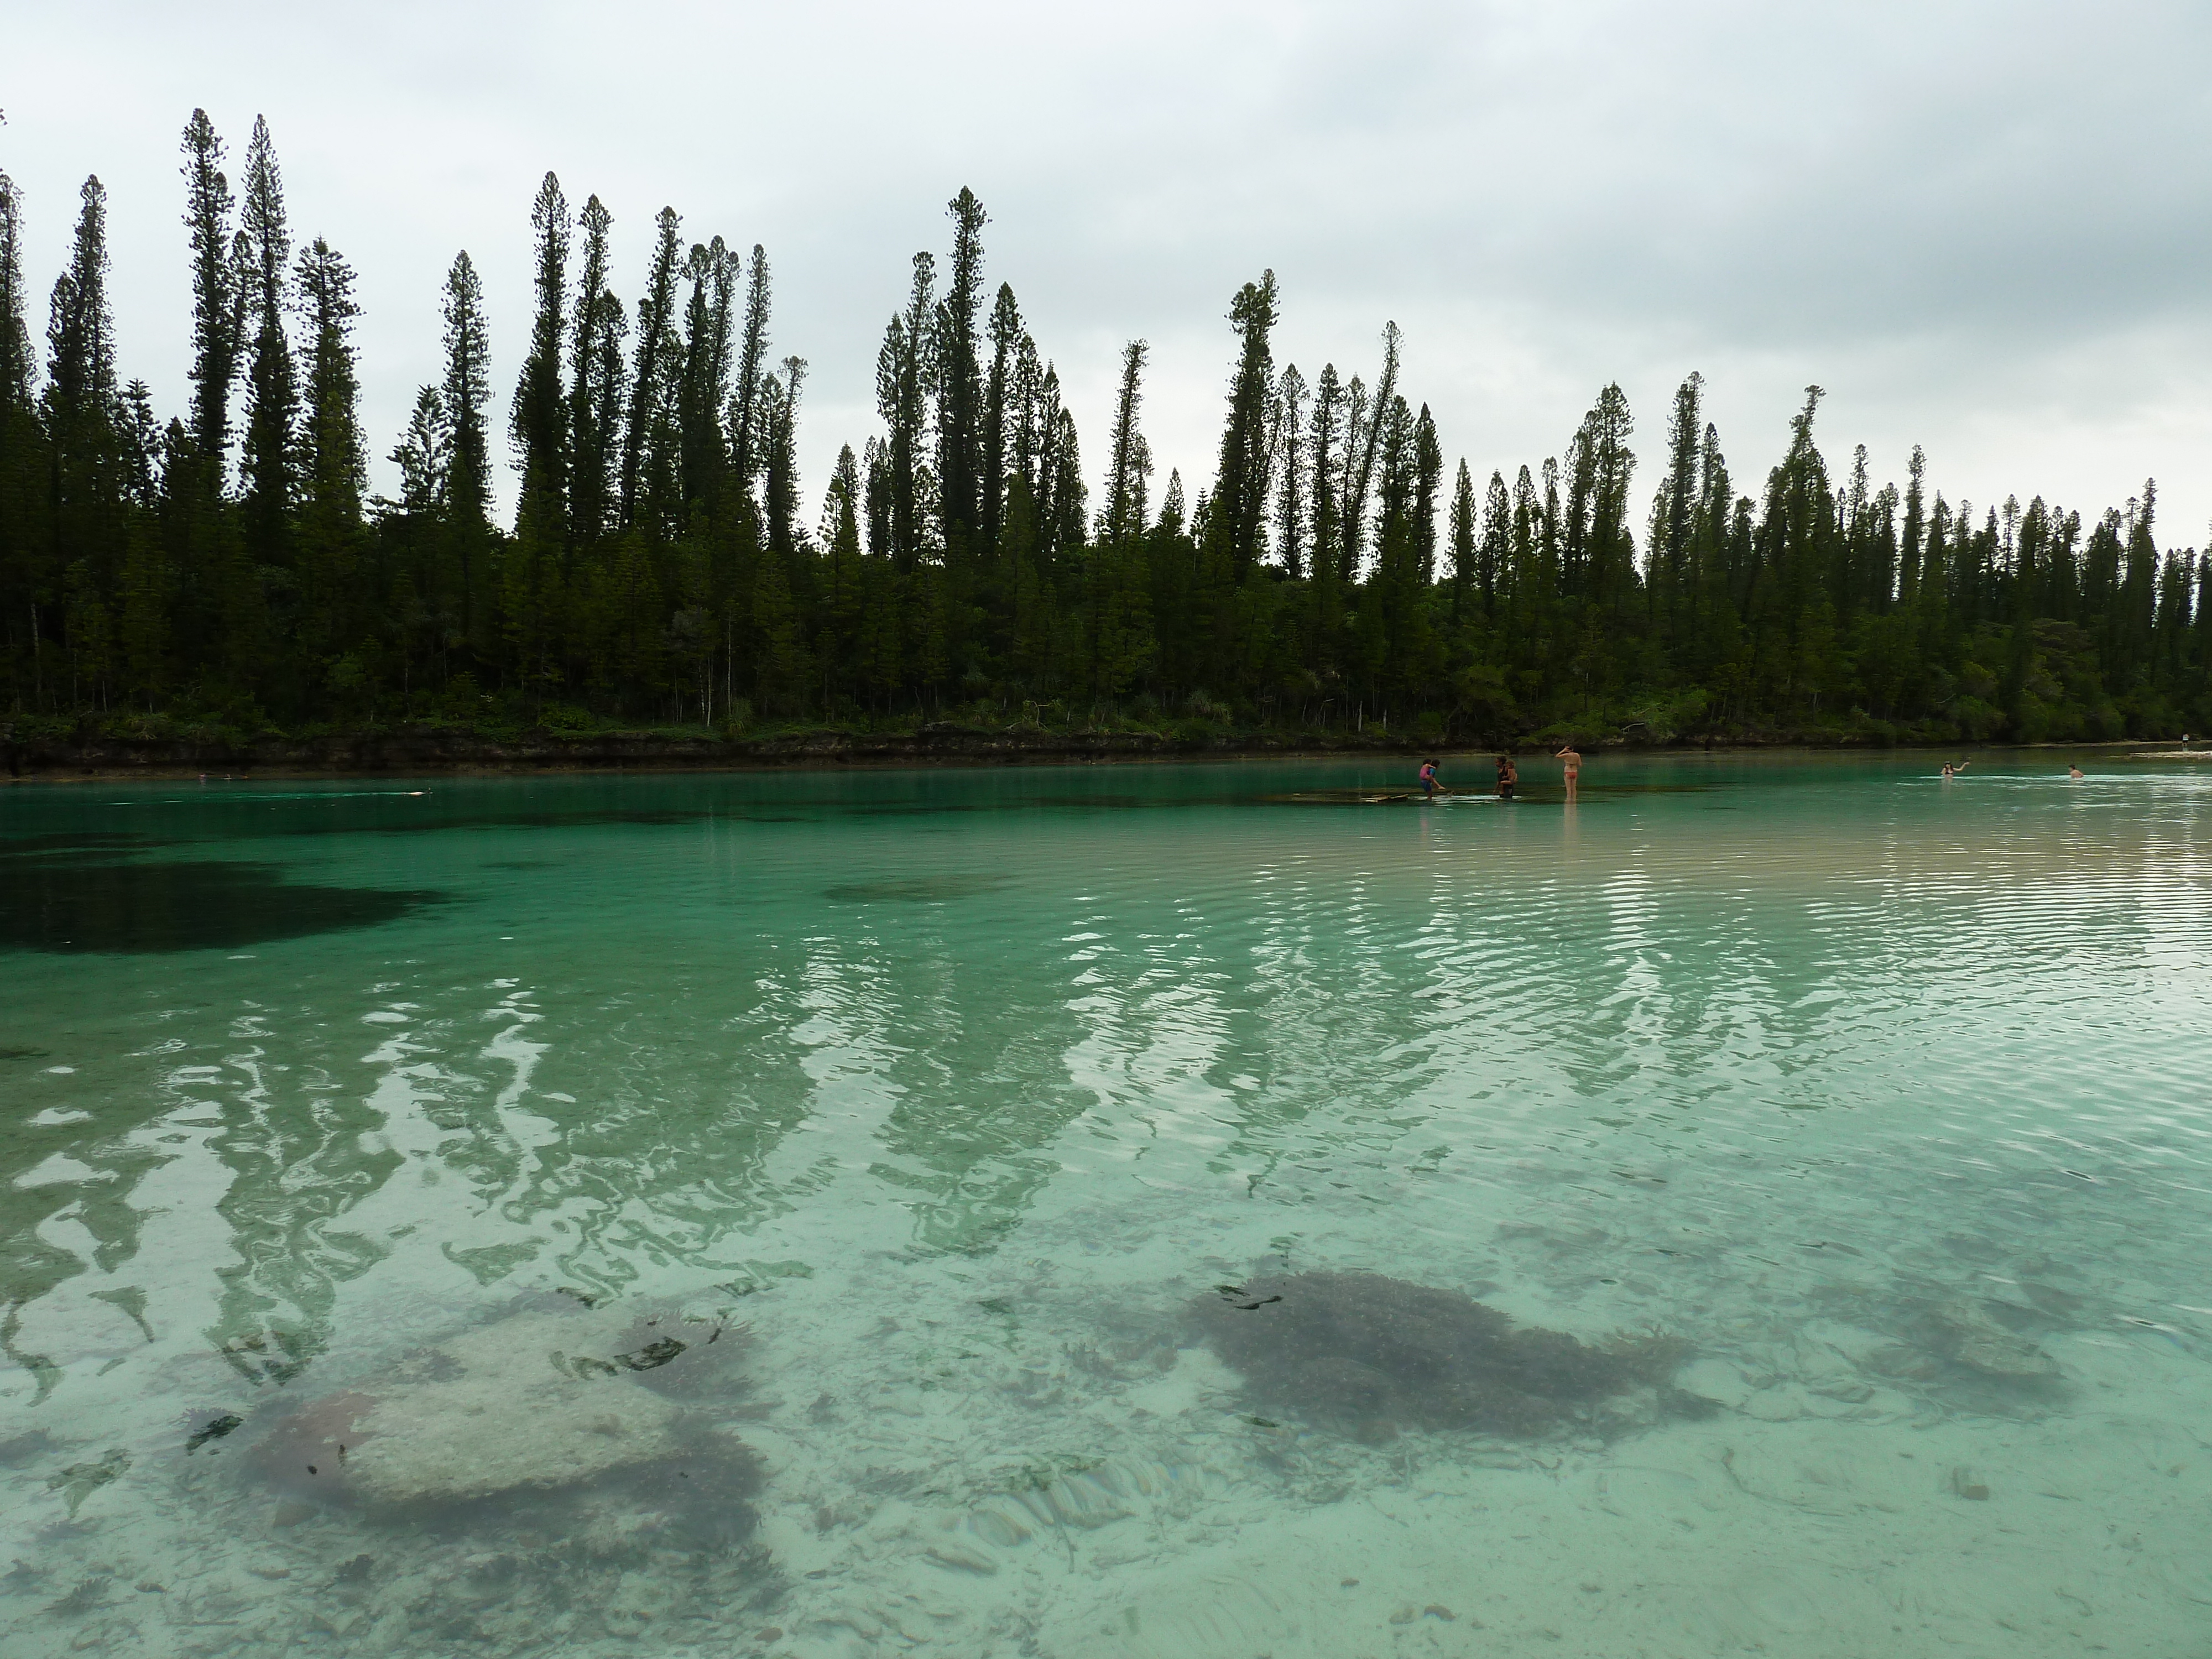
75	844
91	905
914	890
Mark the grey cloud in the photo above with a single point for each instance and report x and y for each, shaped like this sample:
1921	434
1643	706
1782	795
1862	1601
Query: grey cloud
1979	225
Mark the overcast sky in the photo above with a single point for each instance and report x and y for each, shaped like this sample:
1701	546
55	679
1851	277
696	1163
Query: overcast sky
1983	228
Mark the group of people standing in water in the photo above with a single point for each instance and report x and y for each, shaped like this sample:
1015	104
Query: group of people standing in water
1508	773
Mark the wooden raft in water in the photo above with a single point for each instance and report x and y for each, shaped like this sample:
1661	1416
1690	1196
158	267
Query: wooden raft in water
1374	797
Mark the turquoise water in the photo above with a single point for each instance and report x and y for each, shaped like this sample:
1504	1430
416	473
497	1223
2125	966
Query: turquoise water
923	1113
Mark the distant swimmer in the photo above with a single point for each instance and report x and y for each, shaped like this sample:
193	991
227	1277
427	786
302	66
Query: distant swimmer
1509	777
1573	756
1428	780
2074	772
1951	771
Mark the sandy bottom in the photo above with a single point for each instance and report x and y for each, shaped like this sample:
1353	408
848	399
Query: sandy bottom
1083	1487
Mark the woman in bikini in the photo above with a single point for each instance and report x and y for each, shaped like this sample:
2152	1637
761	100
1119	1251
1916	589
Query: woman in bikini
1573	756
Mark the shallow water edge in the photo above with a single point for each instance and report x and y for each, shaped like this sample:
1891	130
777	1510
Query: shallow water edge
468	753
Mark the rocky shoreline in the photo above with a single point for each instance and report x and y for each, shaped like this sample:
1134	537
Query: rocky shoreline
441	750
415	751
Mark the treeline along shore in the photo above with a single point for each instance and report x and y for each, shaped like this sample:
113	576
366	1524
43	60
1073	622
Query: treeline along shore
219	579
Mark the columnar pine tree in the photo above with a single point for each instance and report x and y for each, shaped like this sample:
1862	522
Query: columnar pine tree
272	394
1362	445
648	437
333	462
703	383
959	383
752	363
539	420
1495	551
466	500
1120	632
1673	512
1465	541
23	469
83	414
1008	337
904	380
780	432
1129	460
1428	463
1287	437
208	204
16	368
1237	531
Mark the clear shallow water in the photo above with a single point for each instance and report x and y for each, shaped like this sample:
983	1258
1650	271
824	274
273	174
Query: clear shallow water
944	1098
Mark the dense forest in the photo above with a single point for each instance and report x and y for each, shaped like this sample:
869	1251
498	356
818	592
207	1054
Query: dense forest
226	568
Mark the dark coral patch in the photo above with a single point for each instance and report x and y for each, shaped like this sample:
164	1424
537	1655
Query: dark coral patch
73	905
1360	1349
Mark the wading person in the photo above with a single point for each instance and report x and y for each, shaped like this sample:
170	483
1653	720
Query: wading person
1428	780
1509	776
1573	758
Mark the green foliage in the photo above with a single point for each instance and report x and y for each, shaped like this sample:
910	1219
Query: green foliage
662	570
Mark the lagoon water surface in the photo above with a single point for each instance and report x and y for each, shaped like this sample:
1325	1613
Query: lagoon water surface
1110	1212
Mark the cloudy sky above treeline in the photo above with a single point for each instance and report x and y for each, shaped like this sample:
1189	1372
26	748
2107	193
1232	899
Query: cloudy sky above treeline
1983	228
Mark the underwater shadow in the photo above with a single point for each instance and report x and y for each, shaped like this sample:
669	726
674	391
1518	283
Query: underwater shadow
1365	1352
913	890
86	906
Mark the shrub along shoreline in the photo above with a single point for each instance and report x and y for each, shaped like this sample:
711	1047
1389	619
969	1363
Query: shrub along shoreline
54	749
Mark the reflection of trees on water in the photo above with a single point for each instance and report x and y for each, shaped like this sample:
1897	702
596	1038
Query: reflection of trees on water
976	1031
302	1151
681	1096
37	1266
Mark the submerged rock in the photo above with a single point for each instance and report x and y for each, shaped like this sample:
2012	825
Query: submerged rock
532	1404
1967	1333
1359	1349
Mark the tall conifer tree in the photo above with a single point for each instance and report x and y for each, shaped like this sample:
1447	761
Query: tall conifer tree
467	493
646	437
1237	530
208	205
272	402
1006	338
1495	551
333	463
1287	437
1465	538
79	394
16	367
594	386
751	364
959	380
539	418
1129	460
780	433
21	482
1363	436
904	383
